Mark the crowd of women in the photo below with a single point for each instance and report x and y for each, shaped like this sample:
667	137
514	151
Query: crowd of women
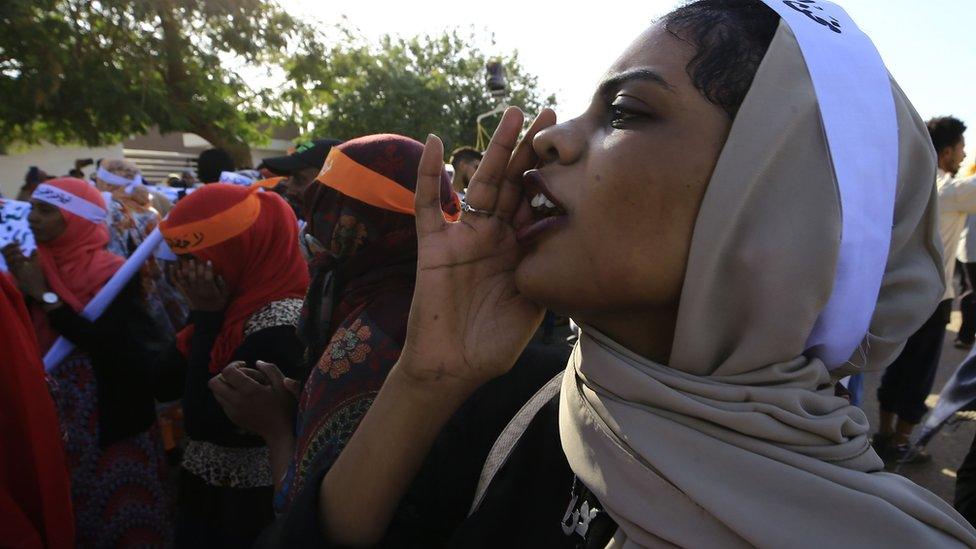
367	375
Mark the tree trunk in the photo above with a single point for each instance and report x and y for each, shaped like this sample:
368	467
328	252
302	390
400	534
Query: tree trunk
238	149
175	77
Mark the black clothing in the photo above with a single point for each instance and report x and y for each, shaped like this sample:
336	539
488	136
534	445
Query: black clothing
217	518
211	516
908	381
177	376
523	507
120	344
967	306
965	498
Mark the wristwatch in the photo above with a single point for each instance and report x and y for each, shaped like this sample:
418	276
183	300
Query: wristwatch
50	298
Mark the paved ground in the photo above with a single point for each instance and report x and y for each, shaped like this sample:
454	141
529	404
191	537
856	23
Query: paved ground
950	446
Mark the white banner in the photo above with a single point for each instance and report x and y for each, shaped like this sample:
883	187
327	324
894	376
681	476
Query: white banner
171	193
14	227
235	178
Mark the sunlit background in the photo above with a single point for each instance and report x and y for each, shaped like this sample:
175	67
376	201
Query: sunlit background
928	45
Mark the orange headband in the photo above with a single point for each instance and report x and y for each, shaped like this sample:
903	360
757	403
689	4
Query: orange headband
268	183
197	235
357	181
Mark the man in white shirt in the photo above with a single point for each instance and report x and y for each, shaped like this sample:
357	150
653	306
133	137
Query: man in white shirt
908	380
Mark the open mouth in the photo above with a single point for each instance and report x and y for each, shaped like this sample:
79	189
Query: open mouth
545	209
542	207
541	200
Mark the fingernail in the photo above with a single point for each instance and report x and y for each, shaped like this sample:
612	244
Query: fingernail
430	137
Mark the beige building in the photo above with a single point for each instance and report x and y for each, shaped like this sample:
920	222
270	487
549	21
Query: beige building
156	154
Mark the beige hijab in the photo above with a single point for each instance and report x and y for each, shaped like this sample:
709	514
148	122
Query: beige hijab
740	441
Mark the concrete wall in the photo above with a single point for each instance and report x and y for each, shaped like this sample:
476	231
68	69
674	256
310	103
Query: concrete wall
53	160
57	160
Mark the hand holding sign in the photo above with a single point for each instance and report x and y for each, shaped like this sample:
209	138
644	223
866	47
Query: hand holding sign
14	228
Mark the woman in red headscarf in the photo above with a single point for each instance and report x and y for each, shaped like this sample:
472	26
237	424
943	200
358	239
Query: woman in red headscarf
102	390
35	493
243	275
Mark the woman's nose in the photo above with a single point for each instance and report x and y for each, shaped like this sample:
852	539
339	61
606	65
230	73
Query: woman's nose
563	143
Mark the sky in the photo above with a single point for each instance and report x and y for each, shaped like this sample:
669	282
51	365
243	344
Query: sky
928	45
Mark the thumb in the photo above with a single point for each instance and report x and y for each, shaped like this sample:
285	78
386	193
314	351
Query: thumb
274	374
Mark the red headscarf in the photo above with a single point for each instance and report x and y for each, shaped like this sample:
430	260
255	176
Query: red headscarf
35	492
76	264
251	237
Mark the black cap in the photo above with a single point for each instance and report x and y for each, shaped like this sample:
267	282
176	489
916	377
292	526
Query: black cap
310	154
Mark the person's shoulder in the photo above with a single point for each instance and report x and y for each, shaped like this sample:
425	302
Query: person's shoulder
279	313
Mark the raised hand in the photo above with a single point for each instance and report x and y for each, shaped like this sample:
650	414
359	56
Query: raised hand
204	290
468	321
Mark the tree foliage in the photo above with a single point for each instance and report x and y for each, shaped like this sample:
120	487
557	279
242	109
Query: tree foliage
97	71
406	85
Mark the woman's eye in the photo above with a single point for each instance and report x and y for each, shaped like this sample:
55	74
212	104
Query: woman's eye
620	115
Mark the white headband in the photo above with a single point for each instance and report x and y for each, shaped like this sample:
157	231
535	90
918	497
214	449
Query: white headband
857	108
235	178
70	202
118	180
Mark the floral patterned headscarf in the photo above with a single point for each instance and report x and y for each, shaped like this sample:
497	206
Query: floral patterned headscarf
363	261
351	243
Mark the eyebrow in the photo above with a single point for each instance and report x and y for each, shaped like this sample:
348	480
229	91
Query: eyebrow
617	81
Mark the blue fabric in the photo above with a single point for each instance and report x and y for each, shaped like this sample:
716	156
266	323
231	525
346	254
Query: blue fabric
959	393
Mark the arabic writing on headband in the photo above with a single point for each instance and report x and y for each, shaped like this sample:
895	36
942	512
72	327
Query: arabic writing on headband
51	193
810	9
184	242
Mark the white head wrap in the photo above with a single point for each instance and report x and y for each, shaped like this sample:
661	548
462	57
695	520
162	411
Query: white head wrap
70	202
118	180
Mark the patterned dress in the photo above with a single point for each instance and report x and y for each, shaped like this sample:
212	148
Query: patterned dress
355	314
354	324
118	492
344	383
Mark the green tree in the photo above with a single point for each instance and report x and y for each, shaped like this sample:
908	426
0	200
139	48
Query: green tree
97	71
411	86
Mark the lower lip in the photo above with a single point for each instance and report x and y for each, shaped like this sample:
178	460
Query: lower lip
531	233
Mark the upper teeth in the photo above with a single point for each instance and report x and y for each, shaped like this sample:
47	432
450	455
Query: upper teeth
542	200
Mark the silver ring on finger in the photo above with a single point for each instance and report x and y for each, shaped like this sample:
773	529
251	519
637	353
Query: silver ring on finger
467	208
